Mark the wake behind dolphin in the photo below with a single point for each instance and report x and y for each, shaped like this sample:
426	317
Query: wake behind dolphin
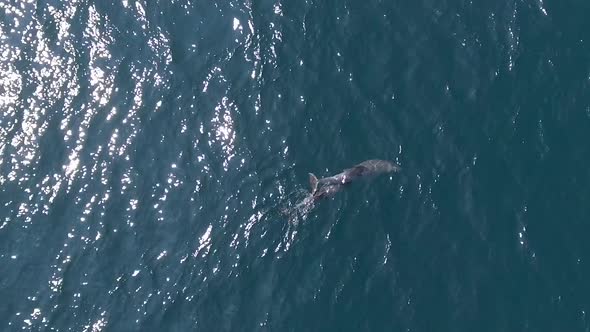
328	186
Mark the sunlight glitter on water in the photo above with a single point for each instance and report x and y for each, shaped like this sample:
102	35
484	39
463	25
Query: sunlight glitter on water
224	129
47	78
204	242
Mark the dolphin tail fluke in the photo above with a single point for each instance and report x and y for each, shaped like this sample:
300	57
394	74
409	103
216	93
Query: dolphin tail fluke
313	183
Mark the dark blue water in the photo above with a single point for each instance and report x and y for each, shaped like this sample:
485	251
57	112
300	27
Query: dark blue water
150	149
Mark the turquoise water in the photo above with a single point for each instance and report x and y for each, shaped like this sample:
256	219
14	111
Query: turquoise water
150	149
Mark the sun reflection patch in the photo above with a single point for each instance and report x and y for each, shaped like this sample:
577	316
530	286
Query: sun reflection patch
101	75
224	129
204	242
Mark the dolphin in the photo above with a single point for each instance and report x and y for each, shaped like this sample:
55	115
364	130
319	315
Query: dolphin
328	186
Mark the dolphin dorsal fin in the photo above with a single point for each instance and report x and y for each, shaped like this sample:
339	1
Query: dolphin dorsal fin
313	183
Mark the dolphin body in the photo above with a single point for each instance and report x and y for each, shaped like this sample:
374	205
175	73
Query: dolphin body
327	187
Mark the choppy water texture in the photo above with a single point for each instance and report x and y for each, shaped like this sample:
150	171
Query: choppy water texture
148	149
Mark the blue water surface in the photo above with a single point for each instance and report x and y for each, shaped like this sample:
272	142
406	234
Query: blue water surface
152	154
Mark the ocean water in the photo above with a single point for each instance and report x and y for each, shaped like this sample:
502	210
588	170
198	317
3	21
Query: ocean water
150	149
